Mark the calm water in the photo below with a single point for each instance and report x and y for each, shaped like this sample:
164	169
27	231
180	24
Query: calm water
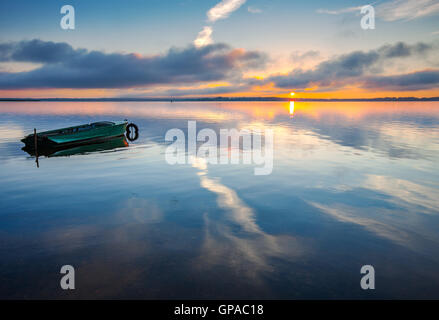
352	184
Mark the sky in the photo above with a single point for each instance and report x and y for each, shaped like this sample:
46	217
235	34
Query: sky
197	48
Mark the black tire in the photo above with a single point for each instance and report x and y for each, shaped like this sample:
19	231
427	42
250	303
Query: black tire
132	132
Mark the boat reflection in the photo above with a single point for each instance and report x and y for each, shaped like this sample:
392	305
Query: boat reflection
112	143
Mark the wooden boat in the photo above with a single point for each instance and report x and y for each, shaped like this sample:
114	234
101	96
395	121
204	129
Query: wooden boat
66	151
83	134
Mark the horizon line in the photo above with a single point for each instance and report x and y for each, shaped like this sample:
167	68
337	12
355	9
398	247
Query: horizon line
220	98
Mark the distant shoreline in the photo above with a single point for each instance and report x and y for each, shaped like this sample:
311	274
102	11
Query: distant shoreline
218	99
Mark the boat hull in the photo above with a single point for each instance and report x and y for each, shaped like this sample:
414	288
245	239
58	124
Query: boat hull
76	135
60	150
112	131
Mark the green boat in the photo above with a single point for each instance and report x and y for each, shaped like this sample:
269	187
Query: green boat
83	134
66	151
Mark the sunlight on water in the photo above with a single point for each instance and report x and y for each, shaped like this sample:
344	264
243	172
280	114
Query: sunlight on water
352	184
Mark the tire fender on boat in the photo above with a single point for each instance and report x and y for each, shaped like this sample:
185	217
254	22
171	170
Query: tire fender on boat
132	132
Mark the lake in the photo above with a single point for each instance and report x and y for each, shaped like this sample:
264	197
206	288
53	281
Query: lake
352	184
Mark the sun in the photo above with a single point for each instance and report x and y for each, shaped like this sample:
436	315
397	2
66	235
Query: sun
292	94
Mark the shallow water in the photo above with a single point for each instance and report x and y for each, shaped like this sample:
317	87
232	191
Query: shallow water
352	184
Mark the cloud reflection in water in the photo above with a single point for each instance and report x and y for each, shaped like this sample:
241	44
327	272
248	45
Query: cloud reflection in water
248	250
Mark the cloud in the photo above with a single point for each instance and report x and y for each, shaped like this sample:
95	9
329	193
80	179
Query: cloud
328	72
254	10
298	56
66	67
223	9
420	80
204	37
354	67
203	91
340	11
395	9
37	51
407	9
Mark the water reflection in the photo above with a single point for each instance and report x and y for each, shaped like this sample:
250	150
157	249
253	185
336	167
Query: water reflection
226	111
253	246
107	145
352	184
291	109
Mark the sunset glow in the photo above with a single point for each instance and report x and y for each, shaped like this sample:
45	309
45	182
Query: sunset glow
182	151
220	58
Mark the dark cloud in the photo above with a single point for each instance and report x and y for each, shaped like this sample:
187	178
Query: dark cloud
328	72
65	67
38	51
428	79
402	49
349	68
